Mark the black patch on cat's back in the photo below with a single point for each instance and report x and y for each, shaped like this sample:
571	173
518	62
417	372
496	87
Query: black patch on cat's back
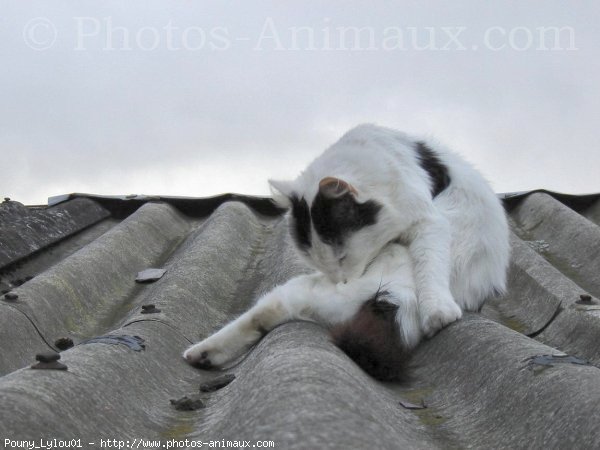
437	171
300	226
334	218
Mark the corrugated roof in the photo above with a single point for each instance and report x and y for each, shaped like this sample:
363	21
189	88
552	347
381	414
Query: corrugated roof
491	380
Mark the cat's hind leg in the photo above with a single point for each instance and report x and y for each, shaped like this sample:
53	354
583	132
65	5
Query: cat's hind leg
308	297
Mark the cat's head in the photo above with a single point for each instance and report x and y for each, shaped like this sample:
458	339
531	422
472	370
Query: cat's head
335	230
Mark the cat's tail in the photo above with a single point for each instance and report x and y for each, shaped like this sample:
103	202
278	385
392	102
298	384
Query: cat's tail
372	340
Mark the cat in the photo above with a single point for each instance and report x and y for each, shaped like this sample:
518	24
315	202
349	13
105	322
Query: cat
381	217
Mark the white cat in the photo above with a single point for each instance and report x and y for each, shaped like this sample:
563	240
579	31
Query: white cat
379	210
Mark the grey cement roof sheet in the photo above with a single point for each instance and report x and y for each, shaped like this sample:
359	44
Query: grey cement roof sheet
479	378
27	230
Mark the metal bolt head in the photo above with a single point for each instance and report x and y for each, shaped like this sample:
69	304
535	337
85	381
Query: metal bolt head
47	357
149	309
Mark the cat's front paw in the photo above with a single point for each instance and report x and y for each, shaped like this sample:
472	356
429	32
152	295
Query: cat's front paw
436	313
206	355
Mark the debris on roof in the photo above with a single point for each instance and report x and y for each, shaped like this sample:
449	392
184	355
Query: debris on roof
149	275
522	374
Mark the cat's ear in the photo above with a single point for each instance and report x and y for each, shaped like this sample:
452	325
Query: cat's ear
282	191
331	187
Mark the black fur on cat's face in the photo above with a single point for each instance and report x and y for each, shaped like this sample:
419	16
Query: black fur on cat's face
334	218
328	231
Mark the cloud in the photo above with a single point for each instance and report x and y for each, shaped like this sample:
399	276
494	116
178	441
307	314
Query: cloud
135	99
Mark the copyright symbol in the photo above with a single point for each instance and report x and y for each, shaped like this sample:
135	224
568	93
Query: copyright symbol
39	33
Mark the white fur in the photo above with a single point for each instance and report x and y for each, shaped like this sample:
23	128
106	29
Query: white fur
458	245
314	297
459	240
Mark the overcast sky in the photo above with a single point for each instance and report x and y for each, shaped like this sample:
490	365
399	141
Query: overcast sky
197	98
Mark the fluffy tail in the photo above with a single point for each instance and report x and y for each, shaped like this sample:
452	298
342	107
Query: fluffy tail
371	339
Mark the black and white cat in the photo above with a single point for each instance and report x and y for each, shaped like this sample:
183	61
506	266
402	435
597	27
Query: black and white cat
379	212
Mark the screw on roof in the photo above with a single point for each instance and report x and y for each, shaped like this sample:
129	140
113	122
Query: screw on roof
11	296
48	361
47	357
149	309
585	299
